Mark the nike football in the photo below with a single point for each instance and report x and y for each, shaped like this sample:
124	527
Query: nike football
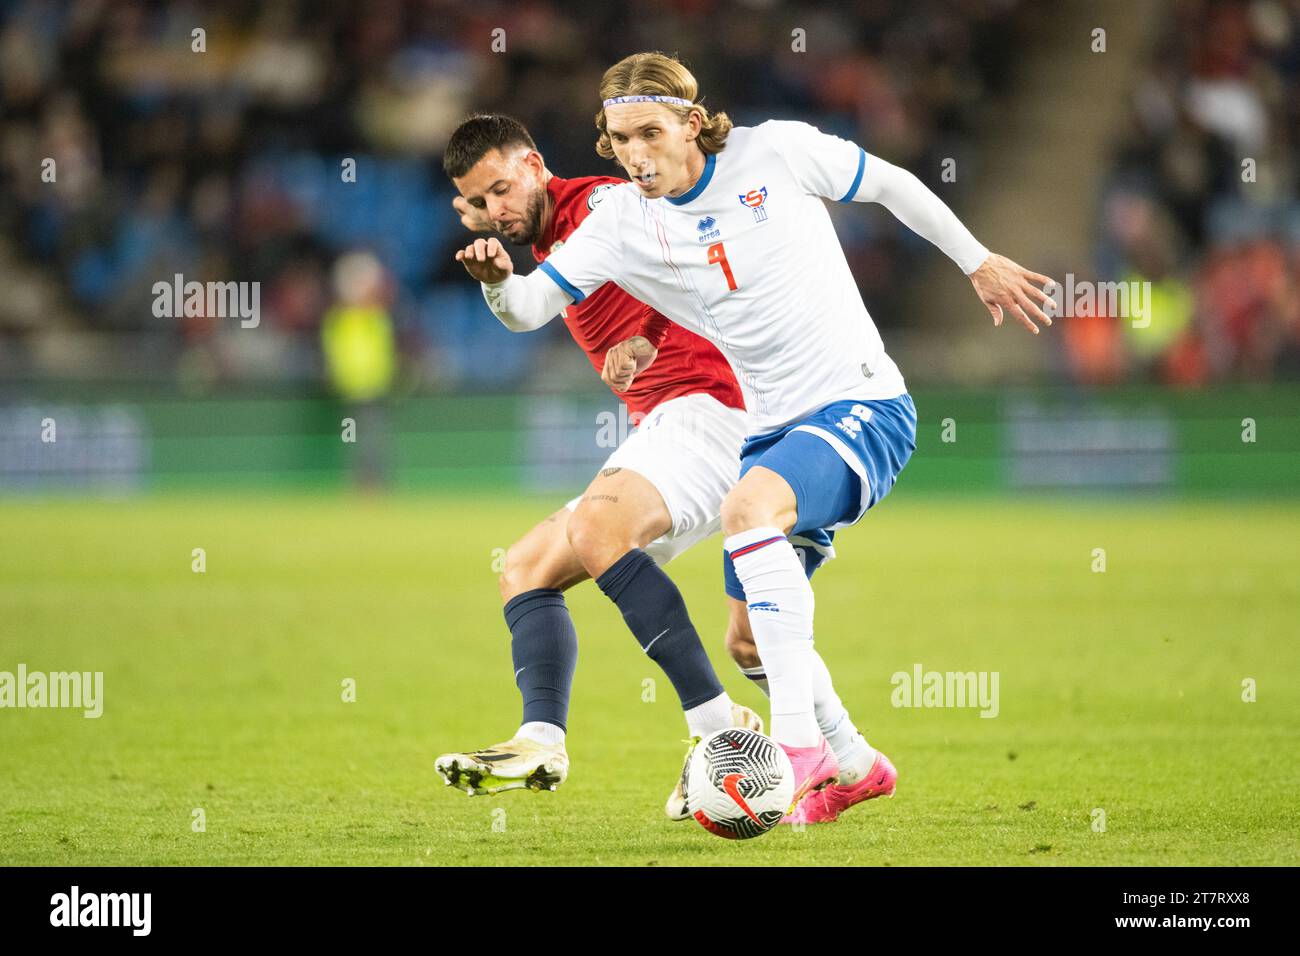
740	783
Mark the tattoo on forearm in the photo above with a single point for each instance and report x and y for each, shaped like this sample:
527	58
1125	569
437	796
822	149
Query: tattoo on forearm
613	498
606	472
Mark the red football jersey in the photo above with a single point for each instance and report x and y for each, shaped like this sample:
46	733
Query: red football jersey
686	363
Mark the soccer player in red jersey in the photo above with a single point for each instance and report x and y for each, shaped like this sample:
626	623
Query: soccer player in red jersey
659	493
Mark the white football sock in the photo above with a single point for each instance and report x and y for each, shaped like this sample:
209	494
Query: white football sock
854	754
759	677
540	732
781	617
705	718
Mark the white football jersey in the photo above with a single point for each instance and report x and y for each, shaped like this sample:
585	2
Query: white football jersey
749	259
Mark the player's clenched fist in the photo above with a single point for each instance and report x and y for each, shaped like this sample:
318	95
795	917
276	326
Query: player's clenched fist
626	361
486	260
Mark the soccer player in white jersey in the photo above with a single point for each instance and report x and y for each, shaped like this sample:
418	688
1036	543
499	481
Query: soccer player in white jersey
725	231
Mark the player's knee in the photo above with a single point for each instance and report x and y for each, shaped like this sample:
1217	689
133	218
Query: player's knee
742	510
766	502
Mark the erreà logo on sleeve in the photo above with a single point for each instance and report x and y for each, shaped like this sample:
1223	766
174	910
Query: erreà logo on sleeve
102	909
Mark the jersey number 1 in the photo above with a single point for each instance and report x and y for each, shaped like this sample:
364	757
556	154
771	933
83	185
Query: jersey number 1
718	255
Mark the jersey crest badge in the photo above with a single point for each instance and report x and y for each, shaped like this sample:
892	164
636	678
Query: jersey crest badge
754	200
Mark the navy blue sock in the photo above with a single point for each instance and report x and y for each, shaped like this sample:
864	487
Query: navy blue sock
653	608
544	648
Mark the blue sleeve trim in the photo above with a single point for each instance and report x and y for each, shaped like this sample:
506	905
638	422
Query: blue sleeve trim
857	180
562	282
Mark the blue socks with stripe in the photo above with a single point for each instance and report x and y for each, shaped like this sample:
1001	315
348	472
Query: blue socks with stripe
544	648
654	610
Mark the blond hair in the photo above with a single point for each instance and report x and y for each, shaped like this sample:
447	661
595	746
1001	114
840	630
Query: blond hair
657	74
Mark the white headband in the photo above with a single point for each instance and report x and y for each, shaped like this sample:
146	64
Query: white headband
675	100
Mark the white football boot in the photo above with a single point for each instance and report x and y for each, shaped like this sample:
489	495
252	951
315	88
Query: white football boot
741	716
517	764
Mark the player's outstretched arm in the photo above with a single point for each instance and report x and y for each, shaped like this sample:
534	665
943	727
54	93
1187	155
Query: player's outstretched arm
521	303
1002	285
625	361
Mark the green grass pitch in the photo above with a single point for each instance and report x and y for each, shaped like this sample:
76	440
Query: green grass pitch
1121	693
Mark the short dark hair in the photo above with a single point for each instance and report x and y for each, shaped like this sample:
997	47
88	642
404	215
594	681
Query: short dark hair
479	135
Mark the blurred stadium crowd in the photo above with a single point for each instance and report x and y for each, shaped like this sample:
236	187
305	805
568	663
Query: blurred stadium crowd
1203	204
229	164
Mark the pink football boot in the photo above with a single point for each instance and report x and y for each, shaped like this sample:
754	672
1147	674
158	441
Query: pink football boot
814	767
823	806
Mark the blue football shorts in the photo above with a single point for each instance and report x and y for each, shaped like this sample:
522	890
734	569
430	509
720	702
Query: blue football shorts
840	461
